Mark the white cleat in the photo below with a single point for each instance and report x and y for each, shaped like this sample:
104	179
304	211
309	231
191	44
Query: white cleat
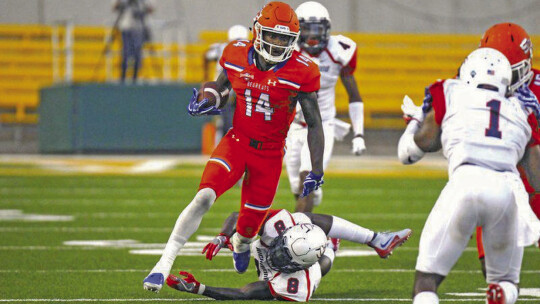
385	242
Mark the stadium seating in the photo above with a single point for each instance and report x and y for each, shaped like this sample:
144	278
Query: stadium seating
389	66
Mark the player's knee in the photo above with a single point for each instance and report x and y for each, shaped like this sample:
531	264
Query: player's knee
204	199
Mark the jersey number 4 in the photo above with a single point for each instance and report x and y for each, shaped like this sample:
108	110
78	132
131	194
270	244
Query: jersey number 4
494	109
262	105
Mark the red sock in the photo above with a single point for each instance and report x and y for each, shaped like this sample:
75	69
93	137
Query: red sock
479	243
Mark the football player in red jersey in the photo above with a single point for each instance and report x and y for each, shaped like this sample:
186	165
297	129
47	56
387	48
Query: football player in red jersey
269	78
514	42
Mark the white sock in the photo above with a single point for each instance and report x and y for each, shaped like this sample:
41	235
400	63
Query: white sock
426	297
510	292
187	223
345	230
241	243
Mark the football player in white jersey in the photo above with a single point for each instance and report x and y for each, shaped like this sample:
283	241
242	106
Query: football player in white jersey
291	255
336	58
484	134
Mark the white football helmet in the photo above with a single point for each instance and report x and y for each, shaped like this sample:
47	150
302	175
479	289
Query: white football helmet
297	248
238	32
314	27
487	68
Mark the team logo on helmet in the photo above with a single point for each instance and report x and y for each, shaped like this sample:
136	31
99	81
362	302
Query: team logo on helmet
526	45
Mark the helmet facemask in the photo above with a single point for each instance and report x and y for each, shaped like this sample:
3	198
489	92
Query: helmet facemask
521	74
279	257
314	35
274	44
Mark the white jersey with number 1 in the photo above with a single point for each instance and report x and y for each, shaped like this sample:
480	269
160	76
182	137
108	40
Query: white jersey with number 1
297	286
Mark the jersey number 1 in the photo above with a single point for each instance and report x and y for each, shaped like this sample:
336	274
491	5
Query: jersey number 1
262	106
494	109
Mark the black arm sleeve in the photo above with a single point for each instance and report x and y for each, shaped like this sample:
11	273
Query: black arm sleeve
253	291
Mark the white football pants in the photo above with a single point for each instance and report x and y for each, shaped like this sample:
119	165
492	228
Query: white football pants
298	159
474	196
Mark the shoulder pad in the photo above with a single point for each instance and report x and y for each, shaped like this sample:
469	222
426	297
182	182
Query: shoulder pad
341	48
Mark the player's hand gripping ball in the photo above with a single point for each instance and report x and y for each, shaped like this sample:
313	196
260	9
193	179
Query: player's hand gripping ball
209	91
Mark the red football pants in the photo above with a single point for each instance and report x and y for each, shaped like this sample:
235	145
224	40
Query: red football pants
229	161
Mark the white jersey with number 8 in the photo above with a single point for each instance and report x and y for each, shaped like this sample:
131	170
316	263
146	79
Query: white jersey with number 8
297	286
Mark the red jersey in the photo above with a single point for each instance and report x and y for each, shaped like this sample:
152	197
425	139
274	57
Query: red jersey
265	105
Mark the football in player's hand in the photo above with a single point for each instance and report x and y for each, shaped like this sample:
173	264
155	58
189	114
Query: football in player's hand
215	97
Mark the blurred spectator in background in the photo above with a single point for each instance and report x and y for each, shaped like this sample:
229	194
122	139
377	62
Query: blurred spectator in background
224	121
135	32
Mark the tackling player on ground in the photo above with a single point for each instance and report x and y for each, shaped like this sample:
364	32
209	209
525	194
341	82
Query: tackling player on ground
484	134
514	42
336	57
269	79
291	256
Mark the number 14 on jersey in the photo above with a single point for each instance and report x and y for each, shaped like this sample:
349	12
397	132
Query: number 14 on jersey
262	105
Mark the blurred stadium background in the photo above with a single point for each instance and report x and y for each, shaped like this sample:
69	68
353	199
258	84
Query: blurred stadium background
402	47
60	94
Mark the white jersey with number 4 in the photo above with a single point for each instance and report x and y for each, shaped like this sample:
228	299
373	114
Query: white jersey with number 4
340	53
482	128
297	286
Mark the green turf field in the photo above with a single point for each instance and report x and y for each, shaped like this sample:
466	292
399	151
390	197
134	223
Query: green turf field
40	262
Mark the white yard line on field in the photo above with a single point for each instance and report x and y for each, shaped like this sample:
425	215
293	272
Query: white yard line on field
359	270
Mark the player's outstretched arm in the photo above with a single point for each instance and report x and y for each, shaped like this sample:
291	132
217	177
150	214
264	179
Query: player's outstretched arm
254	291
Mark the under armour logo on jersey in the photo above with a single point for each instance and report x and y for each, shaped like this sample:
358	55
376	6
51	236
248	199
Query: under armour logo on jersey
272	83
526	45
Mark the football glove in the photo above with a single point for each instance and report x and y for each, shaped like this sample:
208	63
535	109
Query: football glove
411	111
187	284
311	183
358	145
212	248
195	108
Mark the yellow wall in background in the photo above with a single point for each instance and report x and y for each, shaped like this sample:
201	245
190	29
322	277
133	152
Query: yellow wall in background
389	66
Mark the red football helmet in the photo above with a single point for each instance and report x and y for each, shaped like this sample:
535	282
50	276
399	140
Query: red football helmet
514	42
275	32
